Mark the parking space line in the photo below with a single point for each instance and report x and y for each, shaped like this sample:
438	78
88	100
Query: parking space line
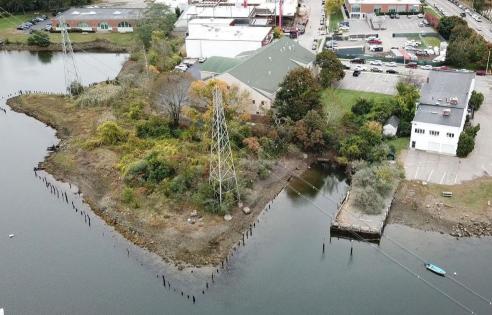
430	174
442	178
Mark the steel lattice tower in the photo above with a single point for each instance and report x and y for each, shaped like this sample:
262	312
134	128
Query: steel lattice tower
71	73
222	172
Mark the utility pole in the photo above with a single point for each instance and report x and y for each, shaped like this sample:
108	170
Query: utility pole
72	78
487	68
222	172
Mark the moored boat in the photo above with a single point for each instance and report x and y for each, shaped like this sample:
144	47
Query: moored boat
435	269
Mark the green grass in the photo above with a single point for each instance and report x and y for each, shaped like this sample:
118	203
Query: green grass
335	18
8	31
431	41
338	102
399	144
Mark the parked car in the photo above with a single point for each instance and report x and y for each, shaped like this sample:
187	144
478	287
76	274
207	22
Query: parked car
375	41
391	71
356	73
358	60
47	27
426	67
412	65
481	72
376	62
360	68
181	67
463	14
420	16
346	67
314	46
390	64
331	43
376	69
344	28
375	48
202	59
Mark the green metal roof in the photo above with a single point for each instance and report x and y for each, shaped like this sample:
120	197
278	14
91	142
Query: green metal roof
267	68
218	65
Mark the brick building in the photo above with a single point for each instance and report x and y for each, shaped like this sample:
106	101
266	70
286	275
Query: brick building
360	8
120	20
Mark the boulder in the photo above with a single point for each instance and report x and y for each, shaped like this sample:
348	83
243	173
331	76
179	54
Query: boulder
246	210
228	217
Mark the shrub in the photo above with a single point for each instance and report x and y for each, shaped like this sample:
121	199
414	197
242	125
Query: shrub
99	95
38	38
151	169
155	127
128	197
476	100
110	133
466	142
362	106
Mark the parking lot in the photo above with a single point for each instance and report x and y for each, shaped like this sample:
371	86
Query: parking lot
450	170
370	82
405	24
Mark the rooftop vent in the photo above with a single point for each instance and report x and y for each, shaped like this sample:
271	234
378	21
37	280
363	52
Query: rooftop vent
117	12
453	101
446	112
75	12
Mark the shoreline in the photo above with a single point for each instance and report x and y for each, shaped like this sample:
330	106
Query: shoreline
100	45
219	245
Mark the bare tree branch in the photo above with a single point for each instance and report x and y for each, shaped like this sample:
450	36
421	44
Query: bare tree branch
171	94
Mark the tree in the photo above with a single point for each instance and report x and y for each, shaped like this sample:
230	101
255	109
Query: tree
407	96
298	94
171	94
466	144
479	5
331	6
311	131
277	32
447	23
38	38
157	17
331	68
476	100
362	106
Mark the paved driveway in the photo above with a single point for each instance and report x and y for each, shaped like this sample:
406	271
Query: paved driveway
312	28
450	170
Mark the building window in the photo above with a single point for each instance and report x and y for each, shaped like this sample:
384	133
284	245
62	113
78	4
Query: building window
434	133
355	8
254	102
418	130
83	24
450	135
104	26
124	24
262	103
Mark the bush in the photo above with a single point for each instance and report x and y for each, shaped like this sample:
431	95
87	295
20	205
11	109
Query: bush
476	100
110	133
99	95
155	127
151	169
466	142
38	38
362	106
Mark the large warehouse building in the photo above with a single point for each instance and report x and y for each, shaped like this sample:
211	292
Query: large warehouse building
441	113
361	8
220	38
120	20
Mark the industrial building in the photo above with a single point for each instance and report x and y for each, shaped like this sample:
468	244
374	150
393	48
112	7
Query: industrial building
260	72
441	113
361	8
221	38
121	20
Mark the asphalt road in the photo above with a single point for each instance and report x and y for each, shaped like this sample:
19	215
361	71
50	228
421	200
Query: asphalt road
450	8
312	28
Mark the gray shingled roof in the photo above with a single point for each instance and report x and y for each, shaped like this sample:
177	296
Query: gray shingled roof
102	14
265	69
433	115
445	85
219	65
435	96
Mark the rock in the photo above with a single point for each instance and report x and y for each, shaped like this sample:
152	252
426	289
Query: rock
424	183
304	156
428	206
240	204
228	217
194	214
246	210
488	203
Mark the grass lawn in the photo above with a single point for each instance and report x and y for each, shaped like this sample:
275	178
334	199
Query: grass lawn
430	41
335	19
399	144
337	102
8	31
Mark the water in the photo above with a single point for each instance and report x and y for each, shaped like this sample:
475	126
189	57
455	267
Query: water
57	264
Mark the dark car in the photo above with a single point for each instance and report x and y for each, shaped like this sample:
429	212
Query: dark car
391	71
412	65
356	73
358	60
481	72
462	14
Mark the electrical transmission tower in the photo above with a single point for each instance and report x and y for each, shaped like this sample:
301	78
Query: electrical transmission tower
222	172
72	79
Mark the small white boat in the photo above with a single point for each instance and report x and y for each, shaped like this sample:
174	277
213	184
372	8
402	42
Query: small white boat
10	236
1	311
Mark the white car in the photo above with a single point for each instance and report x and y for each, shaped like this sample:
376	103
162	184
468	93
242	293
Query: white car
344	28
390	64
420	16
360	68
181	67
202	59
426	67
376	62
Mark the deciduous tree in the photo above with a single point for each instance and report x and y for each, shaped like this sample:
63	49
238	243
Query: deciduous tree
331	68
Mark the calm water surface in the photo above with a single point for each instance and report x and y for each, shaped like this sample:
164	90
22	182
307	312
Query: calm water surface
58	264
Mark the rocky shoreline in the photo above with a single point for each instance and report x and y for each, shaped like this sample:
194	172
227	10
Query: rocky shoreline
97	45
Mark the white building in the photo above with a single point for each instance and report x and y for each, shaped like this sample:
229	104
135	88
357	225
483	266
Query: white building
441	113
218	37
